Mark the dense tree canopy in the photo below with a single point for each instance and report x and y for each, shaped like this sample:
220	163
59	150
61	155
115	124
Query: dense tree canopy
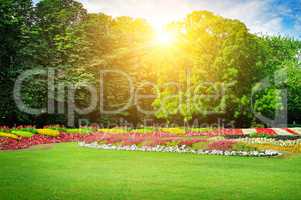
214	69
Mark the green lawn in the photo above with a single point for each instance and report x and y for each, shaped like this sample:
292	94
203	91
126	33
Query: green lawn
67	171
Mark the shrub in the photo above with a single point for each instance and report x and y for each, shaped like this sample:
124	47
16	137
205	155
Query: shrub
22	133
8	135
49	132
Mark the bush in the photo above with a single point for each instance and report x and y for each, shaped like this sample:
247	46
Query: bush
22	133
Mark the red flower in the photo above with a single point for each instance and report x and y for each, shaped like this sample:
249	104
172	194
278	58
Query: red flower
267	131
291	131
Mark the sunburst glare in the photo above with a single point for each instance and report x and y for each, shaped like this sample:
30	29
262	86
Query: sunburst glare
163	36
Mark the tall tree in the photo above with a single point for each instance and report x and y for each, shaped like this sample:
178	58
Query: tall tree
225	60
16	19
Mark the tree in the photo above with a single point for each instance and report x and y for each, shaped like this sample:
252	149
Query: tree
16	20
282	58
222	54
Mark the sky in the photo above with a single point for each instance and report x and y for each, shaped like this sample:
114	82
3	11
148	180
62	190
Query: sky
272	17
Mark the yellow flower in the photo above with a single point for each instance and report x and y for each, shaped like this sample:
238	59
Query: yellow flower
292	148
176	131
8	135
113	130
49	132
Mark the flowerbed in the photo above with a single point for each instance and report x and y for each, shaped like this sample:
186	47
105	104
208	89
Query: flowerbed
212	141
181	149
181	144
23	143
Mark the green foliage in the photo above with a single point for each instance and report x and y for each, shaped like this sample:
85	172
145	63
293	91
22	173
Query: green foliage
259	135
294	91
61	129
22	133
243	147
15	22
225	56
215	63
172	144
268	102
31	130
200	146
284	71
79	130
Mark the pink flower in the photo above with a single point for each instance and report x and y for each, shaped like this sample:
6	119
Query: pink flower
191	142
223	145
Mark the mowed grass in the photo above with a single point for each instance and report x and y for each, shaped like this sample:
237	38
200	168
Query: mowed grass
67	171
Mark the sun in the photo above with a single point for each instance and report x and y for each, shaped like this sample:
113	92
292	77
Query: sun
164	37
